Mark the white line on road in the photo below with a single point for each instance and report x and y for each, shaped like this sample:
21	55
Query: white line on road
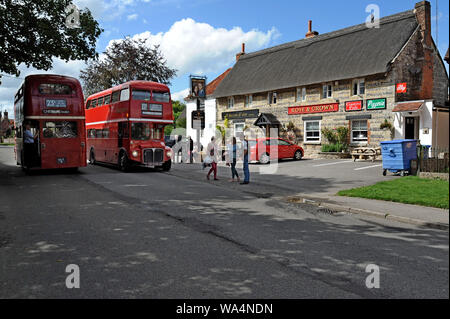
335	163
135	185
367	167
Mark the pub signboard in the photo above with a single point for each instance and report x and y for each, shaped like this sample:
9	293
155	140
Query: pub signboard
240	115
311	109
376	104
353	106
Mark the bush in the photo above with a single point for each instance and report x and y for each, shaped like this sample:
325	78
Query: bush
333	148
336	137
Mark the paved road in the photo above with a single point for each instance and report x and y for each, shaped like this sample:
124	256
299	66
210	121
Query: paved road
147	234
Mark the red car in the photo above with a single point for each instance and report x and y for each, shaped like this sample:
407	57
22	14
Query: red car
265	149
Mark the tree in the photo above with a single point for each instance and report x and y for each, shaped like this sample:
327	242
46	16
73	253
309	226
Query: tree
126	60
33	32
178	108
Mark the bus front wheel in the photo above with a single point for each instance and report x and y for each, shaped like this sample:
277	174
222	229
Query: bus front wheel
167	166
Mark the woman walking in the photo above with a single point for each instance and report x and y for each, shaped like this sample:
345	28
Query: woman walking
233	160
212	152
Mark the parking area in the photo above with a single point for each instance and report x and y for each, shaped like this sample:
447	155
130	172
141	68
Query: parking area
310	177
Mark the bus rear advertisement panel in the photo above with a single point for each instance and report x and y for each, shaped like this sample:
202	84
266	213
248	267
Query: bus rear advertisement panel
50	123
125	125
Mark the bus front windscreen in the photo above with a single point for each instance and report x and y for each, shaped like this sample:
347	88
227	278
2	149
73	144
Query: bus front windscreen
140	131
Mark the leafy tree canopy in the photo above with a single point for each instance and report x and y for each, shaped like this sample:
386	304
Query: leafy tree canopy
33	32
126	60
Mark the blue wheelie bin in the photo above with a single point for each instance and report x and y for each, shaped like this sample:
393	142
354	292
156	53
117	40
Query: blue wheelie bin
397	156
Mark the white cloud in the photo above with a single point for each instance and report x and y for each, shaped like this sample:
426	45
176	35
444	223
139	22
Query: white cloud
179	96
133	16
199	48
10	84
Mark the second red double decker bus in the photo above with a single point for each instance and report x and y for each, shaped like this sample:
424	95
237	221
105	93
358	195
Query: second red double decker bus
125	125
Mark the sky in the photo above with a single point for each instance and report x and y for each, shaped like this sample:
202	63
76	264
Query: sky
202	37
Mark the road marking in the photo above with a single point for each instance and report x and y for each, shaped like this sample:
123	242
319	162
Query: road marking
335	163
135	185
367	167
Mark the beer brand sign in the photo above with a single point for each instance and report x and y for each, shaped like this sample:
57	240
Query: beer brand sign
377	104
311	109
353	106
402	88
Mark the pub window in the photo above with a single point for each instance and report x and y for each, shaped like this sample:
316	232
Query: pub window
359	87
273	97
239	128
248	100
359	131
327	91
115	97
312	131
301	95
230	102
125	95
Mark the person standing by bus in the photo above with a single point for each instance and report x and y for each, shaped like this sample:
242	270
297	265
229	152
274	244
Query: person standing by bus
246	158
212	152
232	155
29	145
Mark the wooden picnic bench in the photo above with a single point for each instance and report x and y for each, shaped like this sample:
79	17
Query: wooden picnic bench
365	153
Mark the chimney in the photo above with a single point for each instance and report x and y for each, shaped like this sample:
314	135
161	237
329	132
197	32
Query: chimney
238	56
423	16
311	33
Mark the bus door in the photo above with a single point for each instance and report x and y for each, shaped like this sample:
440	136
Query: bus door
122	132
31	152
61	144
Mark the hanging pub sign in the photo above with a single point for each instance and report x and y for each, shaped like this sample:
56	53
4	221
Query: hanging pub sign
311	109
402	88
376	104
353	106
198	87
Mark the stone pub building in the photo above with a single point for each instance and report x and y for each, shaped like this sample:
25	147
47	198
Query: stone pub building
358	77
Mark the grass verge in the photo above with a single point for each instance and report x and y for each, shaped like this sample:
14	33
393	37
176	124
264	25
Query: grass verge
406	190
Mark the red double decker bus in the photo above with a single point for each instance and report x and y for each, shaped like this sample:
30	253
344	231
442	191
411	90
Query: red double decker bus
50	123
125	125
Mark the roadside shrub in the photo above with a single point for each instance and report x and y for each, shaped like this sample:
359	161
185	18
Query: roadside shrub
337	138
333	148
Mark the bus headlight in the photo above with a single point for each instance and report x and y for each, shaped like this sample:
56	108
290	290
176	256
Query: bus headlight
169	154
135	153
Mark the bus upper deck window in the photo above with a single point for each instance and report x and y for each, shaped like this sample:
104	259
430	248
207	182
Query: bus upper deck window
161	97
115	97
125	95
55	89
141	95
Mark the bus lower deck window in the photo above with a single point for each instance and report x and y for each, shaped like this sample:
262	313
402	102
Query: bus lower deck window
60	130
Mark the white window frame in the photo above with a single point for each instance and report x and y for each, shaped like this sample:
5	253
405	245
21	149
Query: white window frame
359	142
239	124
305	137
230	102
328	89
358	83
